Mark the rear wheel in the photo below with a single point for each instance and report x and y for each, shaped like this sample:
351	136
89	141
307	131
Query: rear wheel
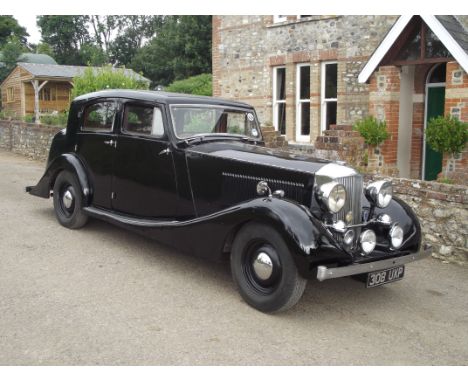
263	269
68	203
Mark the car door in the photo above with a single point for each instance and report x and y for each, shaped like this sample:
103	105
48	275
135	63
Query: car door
96	147
144	177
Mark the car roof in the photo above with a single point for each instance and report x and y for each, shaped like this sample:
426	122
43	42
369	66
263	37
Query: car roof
159	96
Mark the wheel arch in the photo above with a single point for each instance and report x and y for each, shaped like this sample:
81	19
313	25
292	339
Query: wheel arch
65	162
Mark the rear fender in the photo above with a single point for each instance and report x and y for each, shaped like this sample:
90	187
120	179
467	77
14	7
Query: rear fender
67	162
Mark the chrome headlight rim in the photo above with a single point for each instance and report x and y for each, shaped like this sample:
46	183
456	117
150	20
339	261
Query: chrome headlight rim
367	241
396	236
333	195
380	193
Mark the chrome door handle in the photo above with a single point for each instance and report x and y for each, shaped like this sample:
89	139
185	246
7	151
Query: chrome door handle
111	142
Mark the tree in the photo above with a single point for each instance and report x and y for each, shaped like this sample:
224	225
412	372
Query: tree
180	50
9	27
104	78
11	51
135	30
66	35
44	48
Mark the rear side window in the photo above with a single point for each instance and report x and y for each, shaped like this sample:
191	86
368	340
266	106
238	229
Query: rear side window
100	116
143	120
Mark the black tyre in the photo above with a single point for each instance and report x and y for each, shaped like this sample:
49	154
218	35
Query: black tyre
263	269
68	203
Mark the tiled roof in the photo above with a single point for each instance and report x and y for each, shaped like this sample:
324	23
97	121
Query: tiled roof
456	30
68	71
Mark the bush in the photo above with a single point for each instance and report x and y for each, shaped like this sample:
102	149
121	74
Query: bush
372	130
28	118
446	135
59	119
200	85
104	78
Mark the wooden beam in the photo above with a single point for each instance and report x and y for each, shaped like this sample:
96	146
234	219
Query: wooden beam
37	89
434	60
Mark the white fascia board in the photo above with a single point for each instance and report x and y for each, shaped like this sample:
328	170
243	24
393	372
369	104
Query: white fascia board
452	46
384	47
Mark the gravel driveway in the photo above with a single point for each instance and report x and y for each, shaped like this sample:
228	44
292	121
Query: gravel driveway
105	296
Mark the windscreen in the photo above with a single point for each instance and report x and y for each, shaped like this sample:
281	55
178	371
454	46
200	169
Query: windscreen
198	120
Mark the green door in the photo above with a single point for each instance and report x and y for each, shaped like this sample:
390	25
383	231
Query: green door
435	107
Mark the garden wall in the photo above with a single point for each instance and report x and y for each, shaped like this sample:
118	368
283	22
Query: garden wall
27	139
443	212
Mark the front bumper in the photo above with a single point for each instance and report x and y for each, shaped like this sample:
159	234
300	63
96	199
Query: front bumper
325	273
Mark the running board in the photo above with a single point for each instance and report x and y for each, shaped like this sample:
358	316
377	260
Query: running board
108	215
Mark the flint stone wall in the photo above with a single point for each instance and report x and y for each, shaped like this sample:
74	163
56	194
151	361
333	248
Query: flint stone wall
443	212
28	139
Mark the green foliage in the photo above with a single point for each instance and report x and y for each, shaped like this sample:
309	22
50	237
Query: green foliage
93	55
7	114
446	181
44	48
372	130
447	134
180	50
59	119
28	118
9	27
11	51
200	85
104	78
65	34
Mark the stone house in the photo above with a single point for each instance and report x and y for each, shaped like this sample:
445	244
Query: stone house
310	75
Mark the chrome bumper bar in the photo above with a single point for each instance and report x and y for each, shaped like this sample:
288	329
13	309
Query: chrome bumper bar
325	273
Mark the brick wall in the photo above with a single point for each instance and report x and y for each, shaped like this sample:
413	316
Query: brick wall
456	104
27	139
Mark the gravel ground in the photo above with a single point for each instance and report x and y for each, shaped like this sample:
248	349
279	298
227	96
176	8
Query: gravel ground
105	296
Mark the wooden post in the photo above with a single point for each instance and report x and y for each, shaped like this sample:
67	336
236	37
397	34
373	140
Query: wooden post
37	89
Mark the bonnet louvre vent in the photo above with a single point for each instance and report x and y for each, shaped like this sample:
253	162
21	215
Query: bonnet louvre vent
237	187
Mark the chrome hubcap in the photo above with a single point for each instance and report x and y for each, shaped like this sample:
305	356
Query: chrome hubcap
263	266
67	199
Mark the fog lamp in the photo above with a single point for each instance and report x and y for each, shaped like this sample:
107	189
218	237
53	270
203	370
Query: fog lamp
348	237
368	241
396	236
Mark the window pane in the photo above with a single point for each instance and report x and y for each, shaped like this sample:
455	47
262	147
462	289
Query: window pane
282	118
100	116
305	118
158	126
281	83
138	119
434	47
331	77
412	48
331	114
439	73
304	79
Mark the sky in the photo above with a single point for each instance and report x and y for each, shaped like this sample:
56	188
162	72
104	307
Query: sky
29	22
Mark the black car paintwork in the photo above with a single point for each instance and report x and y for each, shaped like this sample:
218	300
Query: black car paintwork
207	189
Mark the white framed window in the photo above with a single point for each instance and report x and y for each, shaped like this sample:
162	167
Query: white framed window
303	103
329	94
279	99
279	18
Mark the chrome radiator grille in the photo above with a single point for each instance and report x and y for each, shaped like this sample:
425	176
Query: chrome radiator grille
353	185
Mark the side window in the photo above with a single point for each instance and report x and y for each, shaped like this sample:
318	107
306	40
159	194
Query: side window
143	120
99	116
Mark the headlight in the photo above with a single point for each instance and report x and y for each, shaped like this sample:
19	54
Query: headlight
396	236
380	193
333	195
368	241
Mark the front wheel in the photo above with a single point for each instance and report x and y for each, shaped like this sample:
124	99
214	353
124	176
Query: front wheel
263	269
68	203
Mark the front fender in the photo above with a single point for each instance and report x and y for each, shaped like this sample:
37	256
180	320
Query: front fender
69	162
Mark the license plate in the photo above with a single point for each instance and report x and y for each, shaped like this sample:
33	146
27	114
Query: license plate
384	277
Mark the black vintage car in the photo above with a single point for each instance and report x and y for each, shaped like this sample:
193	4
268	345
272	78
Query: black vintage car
193	172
